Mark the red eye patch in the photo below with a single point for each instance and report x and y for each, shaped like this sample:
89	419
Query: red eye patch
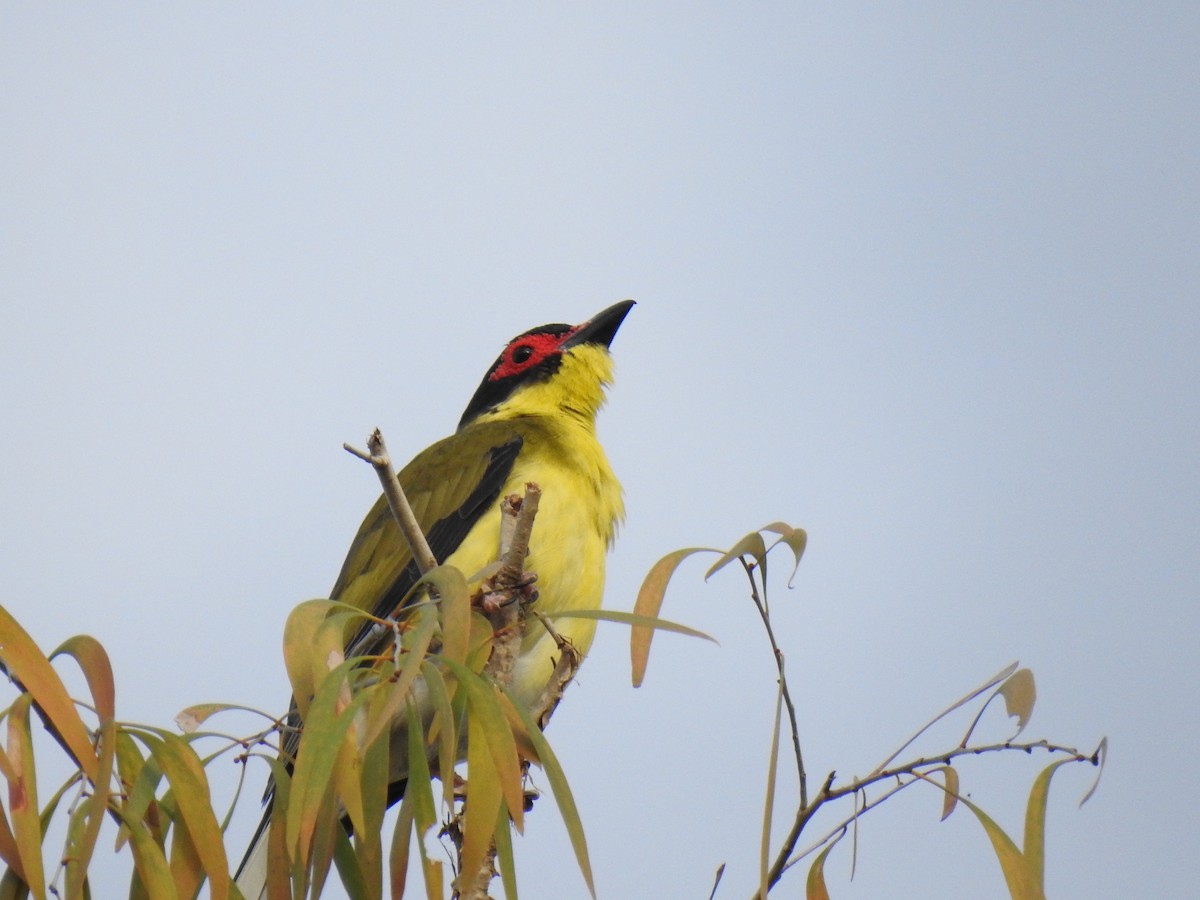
526	352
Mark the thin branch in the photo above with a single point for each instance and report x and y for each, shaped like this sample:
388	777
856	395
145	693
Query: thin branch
990	683
787	694
911	768
378	457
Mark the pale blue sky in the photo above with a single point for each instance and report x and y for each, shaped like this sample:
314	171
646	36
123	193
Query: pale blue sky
921	278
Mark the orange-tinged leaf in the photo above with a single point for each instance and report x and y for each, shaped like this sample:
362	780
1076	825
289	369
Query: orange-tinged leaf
29	666
1019	695
950	796
93	662
649	602
562	795
814	888
8	844
22	796
751	545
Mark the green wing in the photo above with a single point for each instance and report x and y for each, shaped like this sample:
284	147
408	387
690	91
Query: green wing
449	486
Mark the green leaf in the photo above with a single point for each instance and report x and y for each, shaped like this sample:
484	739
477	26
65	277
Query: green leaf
324	730
649	602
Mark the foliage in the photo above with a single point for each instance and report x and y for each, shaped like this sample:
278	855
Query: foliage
426	677
1023	867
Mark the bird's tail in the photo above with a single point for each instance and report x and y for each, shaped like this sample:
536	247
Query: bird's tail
251	878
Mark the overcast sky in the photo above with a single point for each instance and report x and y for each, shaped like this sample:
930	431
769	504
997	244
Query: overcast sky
922	278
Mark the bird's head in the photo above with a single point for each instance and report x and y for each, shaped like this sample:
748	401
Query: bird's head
550	370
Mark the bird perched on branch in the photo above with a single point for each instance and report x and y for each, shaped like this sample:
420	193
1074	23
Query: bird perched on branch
531	419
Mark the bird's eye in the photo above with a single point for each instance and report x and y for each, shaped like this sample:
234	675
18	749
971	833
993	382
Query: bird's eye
522	354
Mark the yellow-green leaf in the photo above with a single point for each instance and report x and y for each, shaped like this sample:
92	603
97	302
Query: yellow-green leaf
299	638
504	856
1023	882
189	786
416	648
562	795
751	545
814	888
454	603
649	602
1035	820
795	538
627	618
488	727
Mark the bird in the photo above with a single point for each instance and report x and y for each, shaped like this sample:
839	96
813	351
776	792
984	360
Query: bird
532	419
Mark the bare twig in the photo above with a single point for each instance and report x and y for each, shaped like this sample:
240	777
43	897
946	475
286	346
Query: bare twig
378	457
828	793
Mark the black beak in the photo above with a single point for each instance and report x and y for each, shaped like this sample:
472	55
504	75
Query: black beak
600	328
